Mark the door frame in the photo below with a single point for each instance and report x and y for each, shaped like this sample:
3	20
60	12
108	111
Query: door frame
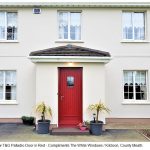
59	68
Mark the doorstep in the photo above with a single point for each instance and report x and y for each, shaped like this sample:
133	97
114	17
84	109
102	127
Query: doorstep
69	131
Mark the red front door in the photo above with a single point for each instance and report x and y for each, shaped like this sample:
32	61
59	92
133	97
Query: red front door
70	96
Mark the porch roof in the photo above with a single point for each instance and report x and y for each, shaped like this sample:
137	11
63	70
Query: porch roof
70	50
69	53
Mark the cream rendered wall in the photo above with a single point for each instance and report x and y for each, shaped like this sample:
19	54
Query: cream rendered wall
101	29
47	86
114	87
25	87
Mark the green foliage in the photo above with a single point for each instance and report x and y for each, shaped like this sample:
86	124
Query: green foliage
27	120
43	110
98	107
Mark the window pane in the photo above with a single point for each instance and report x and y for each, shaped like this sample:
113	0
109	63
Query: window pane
10	77
75	26
139	30
1	78
127	26
63	25
130	96
10	88
2	25
8	92
143	92
1	96
70	81
13	92
1	92
128	85
11	26
126	96
1	85
141	89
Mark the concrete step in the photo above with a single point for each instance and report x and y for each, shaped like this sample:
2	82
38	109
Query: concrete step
69	131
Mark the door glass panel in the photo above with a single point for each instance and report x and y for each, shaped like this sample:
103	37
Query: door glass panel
70	81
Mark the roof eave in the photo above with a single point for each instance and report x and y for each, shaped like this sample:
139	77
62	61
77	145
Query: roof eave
74	4
44	59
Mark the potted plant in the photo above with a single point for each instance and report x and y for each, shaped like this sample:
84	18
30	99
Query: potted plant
43	124
82	126
96	125
27	120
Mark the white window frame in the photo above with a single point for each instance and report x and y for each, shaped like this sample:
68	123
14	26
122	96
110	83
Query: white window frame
134	101
69	18
5	39
145	27
4	101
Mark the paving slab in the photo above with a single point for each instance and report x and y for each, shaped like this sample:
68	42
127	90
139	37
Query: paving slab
22	133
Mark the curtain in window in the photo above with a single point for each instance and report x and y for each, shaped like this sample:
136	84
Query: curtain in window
1	85
128	85
11	78
63	25
140	85
75	26
10	85
133	25
139	30
2	25
1	78
11	26
13	92
127	26
135	86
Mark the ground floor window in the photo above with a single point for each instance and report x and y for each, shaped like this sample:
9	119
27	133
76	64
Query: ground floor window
7	85
135	85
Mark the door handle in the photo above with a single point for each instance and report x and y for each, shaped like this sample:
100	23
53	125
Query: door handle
61	97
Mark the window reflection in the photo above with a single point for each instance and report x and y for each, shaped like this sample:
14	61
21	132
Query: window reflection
70	81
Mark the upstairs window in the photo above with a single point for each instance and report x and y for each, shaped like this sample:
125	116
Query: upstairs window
135	85
133	25
7	85
8	25
69	25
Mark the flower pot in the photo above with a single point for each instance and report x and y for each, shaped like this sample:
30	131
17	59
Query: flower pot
96	128
28	120
43	127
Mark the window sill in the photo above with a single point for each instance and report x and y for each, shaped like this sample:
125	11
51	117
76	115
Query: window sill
136	102
69	41
9	41
8	102
134	41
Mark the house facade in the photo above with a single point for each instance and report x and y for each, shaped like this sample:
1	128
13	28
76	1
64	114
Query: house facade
70	55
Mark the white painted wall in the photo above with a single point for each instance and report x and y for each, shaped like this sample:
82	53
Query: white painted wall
101	29
25	87
114	87
47	86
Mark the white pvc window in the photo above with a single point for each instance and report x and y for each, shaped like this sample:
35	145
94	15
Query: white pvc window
133	25
7	85
135	85
8	25
69	25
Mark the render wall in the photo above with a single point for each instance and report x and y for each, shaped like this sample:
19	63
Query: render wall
114	88
25	104
101	29
93	86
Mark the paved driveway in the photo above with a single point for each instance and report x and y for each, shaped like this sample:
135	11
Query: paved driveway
21	133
